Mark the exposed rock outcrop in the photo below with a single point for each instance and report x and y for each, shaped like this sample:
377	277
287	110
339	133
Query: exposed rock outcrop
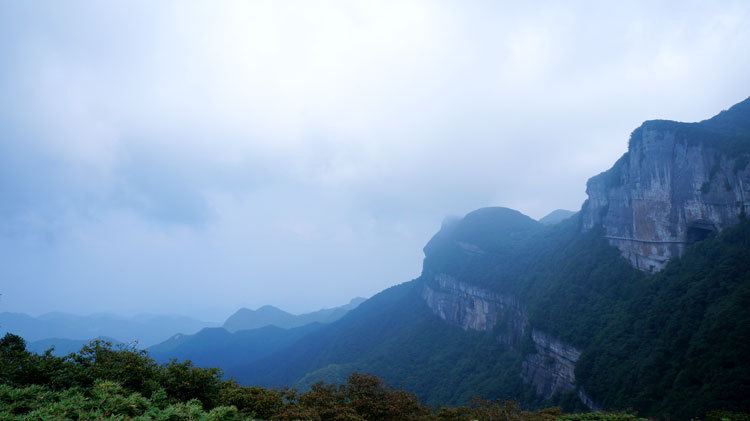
677	184
550	370
475	308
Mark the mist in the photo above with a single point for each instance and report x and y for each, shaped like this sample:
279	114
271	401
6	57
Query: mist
196	157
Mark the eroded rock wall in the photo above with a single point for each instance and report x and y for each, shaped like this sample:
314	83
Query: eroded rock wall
550	369
474	308
667	191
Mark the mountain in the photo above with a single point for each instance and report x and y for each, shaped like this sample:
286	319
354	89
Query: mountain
144	329
271	316
246	336
641	300
62	347
556	216
217	347
677	184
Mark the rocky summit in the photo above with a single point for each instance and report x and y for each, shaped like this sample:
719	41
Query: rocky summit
677	184
638	301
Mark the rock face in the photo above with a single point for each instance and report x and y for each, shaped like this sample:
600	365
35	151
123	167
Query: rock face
474	308
550	370
455	260
677	184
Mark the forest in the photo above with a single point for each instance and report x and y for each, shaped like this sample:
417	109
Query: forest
106	382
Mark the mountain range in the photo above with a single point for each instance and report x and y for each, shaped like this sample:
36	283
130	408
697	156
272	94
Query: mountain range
61	346
247	336
167	336
143	330
272	316
639	300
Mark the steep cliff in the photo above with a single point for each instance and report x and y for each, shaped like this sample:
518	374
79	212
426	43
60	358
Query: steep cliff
458	260
549	367
677	184
475	308
552	368
508	307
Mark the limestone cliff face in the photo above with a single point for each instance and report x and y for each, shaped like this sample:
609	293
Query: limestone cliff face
459	259
678	183
474	308
550	370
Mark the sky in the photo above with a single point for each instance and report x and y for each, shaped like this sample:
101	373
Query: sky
193	157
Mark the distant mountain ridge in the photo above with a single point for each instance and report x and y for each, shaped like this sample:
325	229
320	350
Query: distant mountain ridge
144	329
69	332
556	216
268	315
247	336
61	346
217	347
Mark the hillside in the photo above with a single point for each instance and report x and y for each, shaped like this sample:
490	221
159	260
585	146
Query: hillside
508	307
102	382
217	347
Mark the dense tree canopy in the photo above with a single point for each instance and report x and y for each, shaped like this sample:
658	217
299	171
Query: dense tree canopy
120	383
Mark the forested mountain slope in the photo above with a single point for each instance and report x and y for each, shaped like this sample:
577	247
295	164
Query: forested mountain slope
217	347
640	300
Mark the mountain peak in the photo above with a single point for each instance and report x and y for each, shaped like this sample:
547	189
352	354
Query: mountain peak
677	184
556	216
270	309
354	302
268	315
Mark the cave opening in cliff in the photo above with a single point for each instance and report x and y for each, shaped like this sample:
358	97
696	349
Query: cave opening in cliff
699	230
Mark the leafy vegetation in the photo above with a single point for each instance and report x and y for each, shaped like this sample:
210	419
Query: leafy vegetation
406	345
101	382
669	345
678	346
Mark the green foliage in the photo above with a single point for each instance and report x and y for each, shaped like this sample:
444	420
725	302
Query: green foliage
727	416
600	416
252	401
110	382
183	381
481	409
678	345
126	365
672	345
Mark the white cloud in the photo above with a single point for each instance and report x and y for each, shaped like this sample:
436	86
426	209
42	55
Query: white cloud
242	152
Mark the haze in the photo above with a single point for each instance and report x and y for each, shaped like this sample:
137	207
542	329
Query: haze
195	157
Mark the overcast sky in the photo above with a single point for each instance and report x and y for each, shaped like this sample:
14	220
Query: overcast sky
195	157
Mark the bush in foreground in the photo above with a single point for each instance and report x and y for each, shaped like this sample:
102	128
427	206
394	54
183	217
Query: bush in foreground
102	382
